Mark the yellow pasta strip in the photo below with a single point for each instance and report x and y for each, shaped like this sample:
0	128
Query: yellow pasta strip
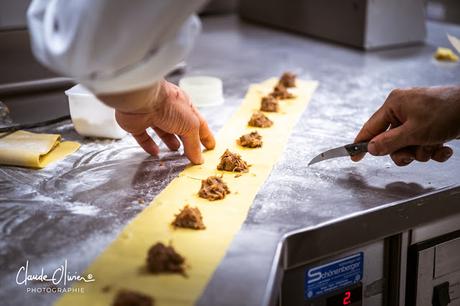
122	264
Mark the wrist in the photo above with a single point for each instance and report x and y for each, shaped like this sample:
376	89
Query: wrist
143	100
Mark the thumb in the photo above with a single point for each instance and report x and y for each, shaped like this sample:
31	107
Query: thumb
389	141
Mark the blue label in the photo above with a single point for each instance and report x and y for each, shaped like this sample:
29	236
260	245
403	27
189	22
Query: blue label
333	275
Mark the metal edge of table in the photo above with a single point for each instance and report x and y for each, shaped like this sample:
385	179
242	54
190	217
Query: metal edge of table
359	228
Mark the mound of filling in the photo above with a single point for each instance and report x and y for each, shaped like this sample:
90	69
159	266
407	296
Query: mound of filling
287	79
164	259
258	119
213	188
189	217
269	104
281	92
232	162
251	140
131	298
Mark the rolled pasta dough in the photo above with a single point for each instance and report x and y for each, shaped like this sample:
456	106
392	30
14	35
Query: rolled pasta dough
33	150
120	266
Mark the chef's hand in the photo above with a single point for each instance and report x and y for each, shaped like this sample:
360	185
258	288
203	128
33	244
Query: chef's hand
414	124
169	111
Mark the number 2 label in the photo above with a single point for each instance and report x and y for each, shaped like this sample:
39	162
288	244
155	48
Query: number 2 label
346	299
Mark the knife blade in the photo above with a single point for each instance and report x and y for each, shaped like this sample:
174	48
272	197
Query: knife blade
351	149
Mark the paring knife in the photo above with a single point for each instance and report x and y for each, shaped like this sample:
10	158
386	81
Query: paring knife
351	149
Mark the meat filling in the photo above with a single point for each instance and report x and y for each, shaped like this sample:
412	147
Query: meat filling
251	140
213	188
269	104
232	162
131	298
281	92
287	79
189	217
258	119
164	259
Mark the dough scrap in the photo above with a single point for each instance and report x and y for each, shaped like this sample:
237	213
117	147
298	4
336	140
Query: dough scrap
269	104
164	259
213	188
251	140
232	162
189	217
132	298
445	54
258	119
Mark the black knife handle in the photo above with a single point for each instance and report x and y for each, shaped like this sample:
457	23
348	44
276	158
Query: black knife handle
356	148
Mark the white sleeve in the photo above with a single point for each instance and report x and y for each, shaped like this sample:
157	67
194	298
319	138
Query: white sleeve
113	45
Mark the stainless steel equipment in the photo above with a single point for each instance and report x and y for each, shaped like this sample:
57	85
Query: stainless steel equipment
303	217
367	24
434	272
418	265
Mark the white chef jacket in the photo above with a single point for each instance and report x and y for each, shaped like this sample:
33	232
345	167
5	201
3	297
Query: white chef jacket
113	45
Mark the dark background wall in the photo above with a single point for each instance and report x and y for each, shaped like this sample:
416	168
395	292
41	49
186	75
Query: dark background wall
444	10
17	63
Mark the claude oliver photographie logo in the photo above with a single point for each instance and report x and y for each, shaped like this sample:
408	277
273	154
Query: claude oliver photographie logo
58	280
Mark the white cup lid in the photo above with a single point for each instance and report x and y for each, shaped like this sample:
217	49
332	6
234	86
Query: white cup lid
203	90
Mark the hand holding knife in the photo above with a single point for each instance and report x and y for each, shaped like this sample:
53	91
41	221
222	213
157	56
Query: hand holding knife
412	124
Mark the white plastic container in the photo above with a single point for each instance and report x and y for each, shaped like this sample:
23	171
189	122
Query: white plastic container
90	116
203	90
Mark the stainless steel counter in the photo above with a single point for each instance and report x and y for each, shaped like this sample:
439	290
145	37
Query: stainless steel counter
74	209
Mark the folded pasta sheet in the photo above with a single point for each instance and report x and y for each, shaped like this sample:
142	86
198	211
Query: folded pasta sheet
33	150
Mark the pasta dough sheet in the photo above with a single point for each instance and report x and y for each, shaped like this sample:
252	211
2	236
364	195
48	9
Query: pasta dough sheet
122	264
34	150
445	54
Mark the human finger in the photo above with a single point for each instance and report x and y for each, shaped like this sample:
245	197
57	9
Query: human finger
403	157
206	135
169	139
389	141
192	147
146	142
376	124
442	154
424	153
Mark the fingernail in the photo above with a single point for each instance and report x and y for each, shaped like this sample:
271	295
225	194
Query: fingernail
372	148
448	154
355	159
408	160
